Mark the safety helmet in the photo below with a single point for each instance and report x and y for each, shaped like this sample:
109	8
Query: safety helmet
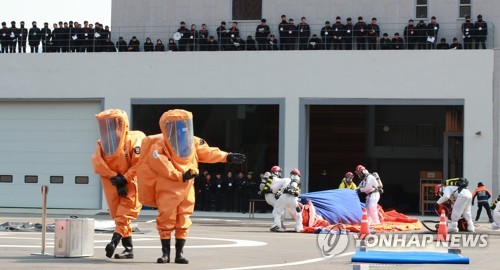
462	182
438	190
296	172
361	171
349	175
276	171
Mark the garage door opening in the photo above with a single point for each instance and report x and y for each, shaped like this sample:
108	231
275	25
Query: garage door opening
250	129
398	142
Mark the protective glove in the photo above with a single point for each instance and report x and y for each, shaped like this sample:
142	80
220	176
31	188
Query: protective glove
118	180
122	190
236	158
189	174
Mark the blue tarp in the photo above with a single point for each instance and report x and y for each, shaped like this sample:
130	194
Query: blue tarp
410	257
336	205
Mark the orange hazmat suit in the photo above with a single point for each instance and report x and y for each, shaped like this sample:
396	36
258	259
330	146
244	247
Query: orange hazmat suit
166	172
117	153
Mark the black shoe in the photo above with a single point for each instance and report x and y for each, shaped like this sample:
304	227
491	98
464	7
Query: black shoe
128	252
179	245
165	249
110	248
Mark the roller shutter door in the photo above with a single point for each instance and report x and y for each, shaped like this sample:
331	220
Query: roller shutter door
48	143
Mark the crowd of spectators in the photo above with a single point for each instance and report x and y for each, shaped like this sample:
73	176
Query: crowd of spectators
227	191
75	37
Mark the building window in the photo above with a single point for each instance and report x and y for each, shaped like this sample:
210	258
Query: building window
81	180
247	9
421	9
465	8
56	179
31	179
5	178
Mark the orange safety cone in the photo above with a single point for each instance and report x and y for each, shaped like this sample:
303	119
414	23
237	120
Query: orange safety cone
442	233
364	231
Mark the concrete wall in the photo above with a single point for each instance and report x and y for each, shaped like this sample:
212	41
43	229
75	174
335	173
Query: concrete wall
333	77
160	18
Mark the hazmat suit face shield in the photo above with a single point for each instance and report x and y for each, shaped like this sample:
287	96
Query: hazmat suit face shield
180	136
112	132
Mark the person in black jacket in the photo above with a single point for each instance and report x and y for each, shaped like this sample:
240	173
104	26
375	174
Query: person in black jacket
65	37
282	32
272	43
410	35
219	189
314	43
234	31
239	184
203	37
14	35
222	36
373	32
34	37
192	38
121	45
467	31
87	38
385	42
443	45
184	36
250	44
421	38
46	35
291	35
304	32
22	38
237	44
171	45
348	34
133	45
159	47
397	42
108	46
360	34
432	33
230	192
327	35
261	33
338	34
455	45
5	37
480	32
148	45
212	44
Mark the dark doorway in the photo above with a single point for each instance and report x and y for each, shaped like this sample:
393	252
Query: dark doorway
249	129
396	141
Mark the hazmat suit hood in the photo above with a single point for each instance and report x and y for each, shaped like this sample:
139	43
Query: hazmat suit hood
113	129
177	129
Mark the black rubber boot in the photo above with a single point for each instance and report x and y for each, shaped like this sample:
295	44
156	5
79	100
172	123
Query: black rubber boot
165	249
179	245
128	253
110	248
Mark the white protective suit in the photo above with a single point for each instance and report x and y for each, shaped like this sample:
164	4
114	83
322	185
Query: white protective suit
369	186
287	201
270	197
461	207
495	225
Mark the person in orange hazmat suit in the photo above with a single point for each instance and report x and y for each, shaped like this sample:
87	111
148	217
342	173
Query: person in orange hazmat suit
115	160
171	164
